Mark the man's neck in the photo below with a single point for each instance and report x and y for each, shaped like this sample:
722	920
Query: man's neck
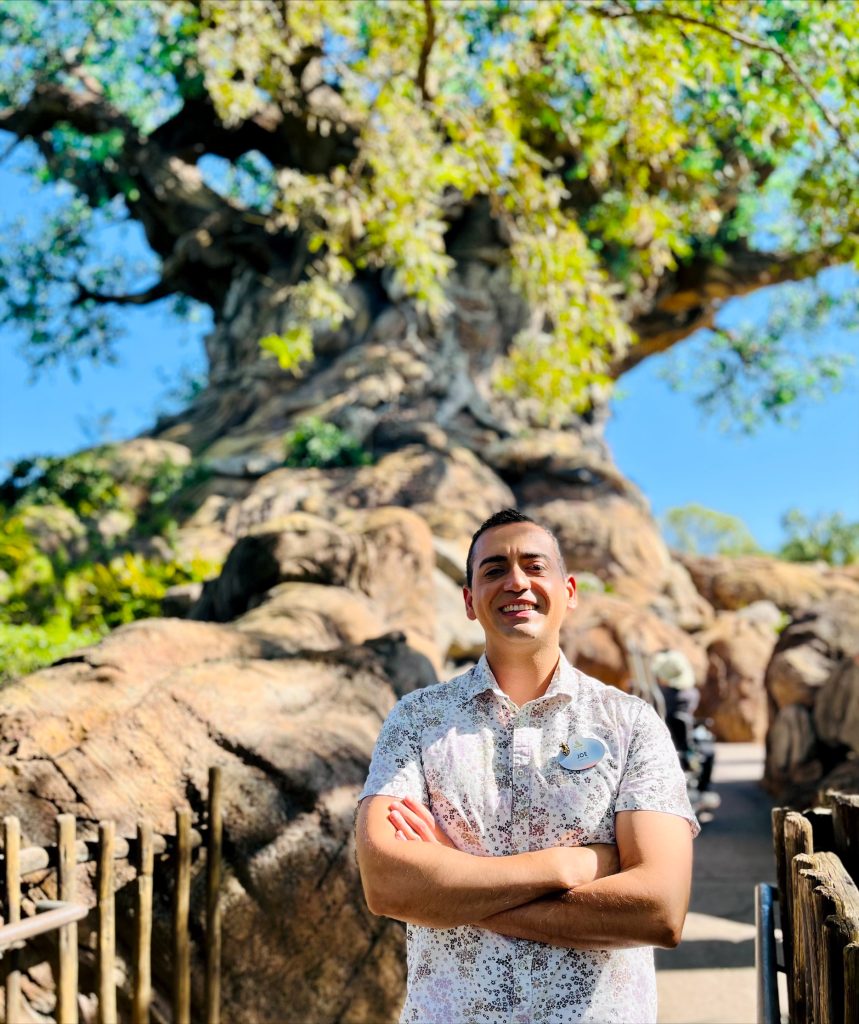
523	674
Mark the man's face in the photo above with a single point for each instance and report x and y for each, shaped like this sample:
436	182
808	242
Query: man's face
518	591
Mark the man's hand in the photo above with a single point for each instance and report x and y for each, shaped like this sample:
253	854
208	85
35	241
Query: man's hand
413	821
575	865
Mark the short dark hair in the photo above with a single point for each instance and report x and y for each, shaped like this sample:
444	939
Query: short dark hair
504	518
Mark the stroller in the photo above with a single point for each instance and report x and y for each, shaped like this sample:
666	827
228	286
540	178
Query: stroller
667	682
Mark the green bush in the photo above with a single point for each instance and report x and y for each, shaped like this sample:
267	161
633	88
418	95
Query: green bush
66	594
316	443
827	538
23	649
81	482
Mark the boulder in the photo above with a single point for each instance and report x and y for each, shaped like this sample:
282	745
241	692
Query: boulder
599	635
732	583
793	757
313	617
810	646
452	490
836	709
128	729
616	539
546	465
458	638
611	537
385	554
738	648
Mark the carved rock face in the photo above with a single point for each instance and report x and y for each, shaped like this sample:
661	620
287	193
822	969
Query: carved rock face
732	583
128	730
739	647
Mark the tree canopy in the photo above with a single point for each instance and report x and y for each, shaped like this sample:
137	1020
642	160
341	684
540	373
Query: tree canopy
641	161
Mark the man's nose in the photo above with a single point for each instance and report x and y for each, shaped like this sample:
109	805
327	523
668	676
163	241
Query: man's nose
516	579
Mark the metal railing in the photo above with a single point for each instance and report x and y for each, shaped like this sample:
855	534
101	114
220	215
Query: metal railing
766	960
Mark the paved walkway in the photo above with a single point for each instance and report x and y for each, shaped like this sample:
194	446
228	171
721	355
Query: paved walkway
710	977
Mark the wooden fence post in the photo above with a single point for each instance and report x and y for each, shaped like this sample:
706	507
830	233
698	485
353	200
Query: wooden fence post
851	983
67	975
106	936
827	914
797	841
213	899
181	901
12	860
845	828
142	995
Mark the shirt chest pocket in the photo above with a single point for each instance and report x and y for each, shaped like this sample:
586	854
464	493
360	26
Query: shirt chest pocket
577	807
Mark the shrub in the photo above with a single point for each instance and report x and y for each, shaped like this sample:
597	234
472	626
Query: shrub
23	649
317	443
828	538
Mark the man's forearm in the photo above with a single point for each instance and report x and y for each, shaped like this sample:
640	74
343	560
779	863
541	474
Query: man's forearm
443	888
431	884
632	908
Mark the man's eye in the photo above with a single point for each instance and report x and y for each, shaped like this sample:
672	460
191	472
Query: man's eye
536	567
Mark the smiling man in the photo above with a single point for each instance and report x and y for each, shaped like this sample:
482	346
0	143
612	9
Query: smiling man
528	822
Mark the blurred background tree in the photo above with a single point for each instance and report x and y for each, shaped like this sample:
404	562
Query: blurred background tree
696	530
825	538
635	162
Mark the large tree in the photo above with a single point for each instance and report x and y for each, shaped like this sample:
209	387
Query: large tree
606	172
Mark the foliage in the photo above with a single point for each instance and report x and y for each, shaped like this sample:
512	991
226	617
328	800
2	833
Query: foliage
827	538
753	374
27	648
68	589
85	483
617	143
696	530
82	482
314	442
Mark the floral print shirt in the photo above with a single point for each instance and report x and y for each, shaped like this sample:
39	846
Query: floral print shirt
491	774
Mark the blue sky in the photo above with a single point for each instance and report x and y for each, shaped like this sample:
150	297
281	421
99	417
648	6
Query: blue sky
659	437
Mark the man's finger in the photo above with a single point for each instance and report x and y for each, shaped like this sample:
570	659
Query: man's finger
399	822
417	824
421	810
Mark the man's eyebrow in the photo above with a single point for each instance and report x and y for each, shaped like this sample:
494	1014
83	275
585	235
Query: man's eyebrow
494	559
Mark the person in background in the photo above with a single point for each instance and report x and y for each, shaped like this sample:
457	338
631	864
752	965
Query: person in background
675	677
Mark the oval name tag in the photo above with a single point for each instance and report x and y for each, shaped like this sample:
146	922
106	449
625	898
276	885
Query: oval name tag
585	752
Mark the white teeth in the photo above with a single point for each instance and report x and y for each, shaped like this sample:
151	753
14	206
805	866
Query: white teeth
517	608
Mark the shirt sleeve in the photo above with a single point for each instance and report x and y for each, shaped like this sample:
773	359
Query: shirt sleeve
653	779
396	768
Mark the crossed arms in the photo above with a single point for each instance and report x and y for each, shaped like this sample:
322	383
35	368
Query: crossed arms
587	897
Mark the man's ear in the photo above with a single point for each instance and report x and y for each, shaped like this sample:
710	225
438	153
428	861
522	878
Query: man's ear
469	603
573	598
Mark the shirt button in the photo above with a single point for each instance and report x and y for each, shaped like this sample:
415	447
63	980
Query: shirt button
520	772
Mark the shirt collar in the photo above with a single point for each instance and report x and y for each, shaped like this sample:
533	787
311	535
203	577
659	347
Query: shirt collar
564	682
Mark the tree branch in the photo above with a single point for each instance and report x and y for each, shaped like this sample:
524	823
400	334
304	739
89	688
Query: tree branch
199	235
426	50
692	299
51	104
159	290
621	11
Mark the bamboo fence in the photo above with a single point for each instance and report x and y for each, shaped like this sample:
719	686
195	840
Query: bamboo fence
139	853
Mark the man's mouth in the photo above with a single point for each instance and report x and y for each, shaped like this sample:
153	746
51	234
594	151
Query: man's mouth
517	606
